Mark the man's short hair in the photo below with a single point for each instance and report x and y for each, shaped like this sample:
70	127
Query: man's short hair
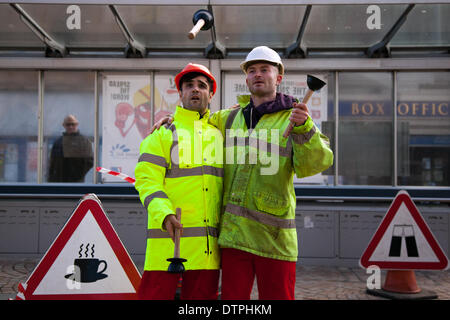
191	75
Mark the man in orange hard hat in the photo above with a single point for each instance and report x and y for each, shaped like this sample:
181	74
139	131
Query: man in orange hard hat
176	169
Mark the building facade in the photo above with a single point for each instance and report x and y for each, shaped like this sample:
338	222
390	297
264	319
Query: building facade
112	64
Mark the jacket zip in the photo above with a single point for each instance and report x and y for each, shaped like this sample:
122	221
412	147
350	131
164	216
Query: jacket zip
204	199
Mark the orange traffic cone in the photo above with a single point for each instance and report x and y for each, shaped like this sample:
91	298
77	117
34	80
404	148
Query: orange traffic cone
401	281
402	285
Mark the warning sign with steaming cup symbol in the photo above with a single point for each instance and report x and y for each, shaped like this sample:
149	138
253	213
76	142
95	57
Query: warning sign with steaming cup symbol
87	268
87	260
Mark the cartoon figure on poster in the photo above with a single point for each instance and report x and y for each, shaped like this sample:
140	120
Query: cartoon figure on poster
140	112
166	96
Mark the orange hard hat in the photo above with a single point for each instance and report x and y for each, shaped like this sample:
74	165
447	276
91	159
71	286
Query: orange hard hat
193	67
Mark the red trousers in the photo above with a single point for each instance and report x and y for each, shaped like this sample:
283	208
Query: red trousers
196	285
275	278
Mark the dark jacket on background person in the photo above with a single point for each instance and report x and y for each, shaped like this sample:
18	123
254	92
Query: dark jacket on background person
70	159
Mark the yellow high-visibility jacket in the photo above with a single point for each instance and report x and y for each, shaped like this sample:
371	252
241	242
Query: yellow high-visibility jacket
180	166
259	198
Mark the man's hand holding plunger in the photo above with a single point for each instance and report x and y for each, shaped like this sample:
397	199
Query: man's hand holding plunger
171	224
299	114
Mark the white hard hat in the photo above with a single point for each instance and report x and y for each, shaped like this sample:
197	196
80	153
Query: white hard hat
263	53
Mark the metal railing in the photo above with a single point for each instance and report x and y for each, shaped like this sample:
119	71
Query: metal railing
303	193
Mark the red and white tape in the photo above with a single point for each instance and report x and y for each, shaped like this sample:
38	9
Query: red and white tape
122	176
21	288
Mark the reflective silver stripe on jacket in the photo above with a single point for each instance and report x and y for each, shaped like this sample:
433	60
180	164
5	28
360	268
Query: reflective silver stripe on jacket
231	117
260	217
254	142
152	158
174	157
176	172
187	232
303	137
157	194
261	145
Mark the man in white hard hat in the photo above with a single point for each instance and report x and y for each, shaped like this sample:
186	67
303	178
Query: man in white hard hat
257	233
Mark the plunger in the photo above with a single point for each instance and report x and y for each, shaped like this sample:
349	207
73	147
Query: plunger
176	263
314	84
203	20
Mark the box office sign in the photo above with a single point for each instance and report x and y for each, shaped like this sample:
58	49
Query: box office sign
126	121
362	109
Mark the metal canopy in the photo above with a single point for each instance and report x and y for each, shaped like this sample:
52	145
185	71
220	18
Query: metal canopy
297	29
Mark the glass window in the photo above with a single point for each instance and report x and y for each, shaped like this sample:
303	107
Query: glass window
327	126
69	113
14	33
365	128
240	26
163	26
18	126
423	128
343	26
77	26
427	25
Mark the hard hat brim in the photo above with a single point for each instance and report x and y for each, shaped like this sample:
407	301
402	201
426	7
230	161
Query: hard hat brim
245	64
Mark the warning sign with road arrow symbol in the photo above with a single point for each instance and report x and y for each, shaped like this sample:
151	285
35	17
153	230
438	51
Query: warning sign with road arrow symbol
403	240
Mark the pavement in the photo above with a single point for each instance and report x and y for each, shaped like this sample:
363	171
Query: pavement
312	282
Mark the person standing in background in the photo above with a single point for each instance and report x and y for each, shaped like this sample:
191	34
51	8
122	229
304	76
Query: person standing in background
71	156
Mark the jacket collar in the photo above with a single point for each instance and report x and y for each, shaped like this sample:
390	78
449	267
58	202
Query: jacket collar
182	114
252	115
281	102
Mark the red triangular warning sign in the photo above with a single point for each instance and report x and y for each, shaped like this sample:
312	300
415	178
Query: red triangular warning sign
403	240
87	260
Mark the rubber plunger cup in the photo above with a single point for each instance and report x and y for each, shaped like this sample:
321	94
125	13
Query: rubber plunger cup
314	84
401	281
176	263
203	20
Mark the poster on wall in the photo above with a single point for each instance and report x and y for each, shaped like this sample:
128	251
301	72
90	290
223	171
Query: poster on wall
294	85
127	119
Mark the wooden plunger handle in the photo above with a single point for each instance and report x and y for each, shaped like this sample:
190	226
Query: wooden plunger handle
291	125
176	251
196	29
